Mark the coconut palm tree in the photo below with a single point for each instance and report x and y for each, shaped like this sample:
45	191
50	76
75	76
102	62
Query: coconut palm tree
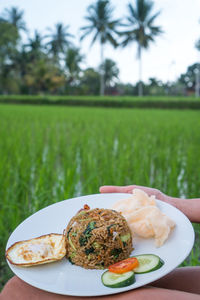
73	60
103	27
60	39
35	46
15	17
141	29
111	72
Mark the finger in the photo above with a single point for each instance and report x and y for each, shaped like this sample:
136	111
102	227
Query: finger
128	189
116	189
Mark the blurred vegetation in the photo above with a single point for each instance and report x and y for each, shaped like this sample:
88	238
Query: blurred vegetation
162	102
50	63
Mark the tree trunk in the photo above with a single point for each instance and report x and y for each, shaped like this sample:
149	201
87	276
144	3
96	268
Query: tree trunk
140	87
102	84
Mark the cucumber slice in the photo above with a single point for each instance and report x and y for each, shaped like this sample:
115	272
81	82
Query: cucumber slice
148	263
114	280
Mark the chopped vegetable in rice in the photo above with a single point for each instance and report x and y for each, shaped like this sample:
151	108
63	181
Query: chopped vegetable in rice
98	238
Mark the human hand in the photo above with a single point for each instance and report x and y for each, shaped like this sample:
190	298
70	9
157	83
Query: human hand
129	188
190	207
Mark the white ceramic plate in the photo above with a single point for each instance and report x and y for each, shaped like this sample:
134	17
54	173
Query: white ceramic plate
64	278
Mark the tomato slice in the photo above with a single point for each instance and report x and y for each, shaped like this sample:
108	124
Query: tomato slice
125	265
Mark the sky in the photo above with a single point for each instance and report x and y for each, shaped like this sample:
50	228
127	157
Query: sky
166	59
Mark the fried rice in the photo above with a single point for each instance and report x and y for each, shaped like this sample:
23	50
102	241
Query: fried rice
97	238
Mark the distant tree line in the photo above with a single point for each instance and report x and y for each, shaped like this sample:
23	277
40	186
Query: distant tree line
51	63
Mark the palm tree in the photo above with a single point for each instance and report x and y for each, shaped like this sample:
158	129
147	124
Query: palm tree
35	46
60	39
111	72
72	62
15	17
103	28
142	30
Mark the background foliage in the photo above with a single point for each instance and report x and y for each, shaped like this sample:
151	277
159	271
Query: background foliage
52	63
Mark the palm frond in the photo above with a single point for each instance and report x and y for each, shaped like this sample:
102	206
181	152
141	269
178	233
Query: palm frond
94	38
112	40
129	39
152	18
140	24
144	8
100	22
132	11
156	30
86	33
83	28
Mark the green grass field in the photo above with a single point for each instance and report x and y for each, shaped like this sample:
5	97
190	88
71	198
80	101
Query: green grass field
48	154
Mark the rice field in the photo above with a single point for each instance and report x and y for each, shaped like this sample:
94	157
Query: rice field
48	154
